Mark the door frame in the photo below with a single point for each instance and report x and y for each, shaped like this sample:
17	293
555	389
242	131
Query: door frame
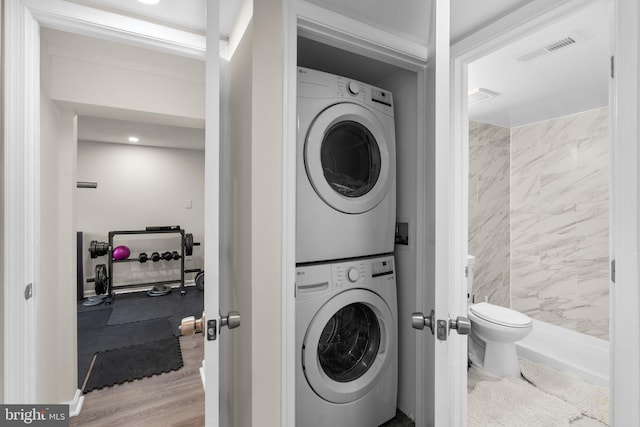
624	301
314	22
22	124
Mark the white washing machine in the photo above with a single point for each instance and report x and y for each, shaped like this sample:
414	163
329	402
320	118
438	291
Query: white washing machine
346	343
346	171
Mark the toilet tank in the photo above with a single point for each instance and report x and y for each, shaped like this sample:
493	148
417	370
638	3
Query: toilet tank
471	262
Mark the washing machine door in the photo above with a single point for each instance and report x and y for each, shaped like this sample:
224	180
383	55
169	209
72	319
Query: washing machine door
347	158
348	345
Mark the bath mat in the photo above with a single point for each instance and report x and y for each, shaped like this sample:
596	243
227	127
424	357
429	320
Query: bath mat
134	362
592	400
514	402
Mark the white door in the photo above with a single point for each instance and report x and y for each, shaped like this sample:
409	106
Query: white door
211	220
441	357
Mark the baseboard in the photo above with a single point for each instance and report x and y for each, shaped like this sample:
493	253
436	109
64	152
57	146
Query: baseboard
75	405
566	350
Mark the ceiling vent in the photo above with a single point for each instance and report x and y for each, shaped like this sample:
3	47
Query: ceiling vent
480	95
545	50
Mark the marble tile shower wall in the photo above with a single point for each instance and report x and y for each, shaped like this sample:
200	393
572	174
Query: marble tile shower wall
489	236
560	223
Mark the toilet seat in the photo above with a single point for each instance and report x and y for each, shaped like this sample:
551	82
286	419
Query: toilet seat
500	315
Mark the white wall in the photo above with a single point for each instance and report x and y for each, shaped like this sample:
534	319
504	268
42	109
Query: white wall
266	204
55	290
116	76
140	186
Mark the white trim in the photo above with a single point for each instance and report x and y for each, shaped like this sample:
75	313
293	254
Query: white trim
88	21
625	300
326	27
625	293
289	130
358	37
75	404
422	156
21	207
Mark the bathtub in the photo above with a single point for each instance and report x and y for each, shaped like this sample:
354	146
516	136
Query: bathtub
566	350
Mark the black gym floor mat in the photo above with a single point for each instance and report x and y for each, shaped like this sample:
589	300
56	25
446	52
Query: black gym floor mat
132	318
105	337
136	306
134	362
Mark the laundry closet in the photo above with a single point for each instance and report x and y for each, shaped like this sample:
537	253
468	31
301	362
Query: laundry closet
404	85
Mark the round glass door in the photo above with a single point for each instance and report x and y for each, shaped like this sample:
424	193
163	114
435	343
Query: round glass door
347	345
348	158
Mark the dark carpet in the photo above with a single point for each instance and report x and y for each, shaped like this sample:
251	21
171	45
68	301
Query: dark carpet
134	362
132	318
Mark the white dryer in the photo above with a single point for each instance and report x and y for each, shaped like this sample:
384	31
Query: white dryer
346	343
346	171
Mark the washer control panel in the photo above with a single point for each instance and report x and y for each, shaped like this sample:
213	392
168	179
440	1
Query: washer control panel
319	278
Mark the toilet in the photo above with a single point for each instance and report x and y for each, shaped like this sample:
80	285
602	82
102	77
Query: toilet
494	332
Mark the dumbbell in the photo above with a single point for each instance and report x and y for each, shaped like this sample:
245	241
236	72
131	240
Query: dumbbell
155	257
167	256
143	257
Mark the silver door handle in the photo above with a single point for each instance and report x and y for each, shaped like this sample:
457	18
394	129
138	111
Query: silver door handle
231	320
419	321
460	324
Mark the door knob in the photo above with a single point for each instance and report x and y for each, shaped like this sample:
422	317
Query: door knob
419	321
190	325
231	320
460	324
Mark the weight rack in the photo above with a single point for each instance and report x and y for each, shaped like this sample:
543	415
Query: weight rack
149	230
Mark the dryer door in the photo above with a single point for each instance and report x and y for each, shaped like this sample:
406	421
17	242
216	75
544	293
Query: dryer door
348	345
348	158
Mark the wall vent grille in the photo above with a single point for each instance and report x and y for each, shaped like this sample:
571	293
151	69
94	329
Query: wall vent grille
560	44
545	50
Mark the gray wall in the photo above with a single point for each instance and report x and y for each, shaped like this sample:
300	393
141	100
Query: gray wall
404	87
557	189
140	186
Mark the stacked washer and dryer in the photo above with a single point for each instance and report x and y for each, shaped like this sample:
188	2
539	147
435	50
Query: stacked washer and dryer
346	298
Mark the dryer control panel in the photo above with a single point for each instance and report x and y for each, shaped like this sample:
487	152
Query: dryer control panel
314	84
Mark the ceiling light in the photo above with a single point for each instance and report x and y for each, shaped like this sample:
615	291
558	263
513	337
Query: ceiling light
149	1
133	139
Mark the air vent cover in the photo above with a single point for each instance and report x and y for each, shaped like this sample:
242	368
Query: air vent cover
568	41
479	95
545	50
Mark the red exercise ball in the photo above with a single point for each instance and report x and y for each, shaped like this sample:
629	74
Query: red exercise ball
121	252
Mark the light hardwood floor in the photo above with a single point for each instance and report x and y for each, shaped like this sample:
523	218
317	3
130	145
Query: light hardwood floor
168	400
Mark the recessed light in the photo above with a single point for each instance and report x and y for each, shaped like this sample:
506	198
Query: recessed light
133	139
149	1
